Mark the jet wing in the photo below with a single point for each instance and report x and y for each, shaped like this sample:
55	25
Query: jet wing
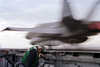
37	30
47	28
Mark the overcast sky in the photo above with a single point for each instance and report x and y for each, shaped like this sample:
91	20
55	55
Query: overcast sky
29	13
25	13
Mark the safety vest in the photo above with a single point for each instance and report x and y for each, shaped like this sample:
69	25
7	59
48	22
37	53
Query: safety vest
36	60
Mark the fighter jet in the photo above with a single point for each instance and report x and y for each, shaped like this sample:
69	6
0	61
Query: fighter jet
68	30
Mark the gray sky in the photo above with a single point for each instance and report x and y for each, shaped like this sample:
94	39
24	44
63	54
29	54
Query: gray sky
29	13
25	13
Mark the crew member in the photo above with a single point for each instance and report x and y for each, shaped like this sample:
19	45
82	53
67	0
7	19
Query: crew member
31	57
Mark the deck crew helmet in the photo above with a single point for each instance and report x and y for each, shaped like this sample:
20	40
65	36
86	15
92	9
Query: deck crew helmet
42	48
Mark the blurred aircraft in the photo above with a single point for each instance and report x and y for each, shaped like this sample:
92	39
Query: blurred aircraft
68	30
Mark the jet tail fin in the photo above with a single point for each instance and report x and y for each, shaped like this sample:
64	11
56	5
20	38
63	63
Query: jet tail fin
67	18
71	23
